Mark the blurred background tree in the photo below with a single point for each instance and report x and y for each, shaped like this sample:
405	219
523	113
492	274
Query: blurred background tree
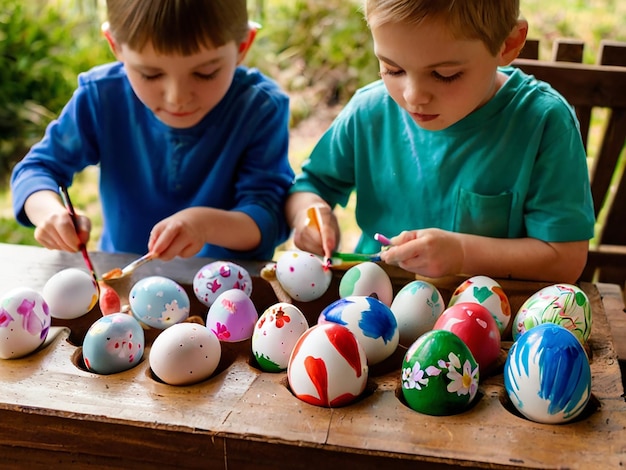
318	50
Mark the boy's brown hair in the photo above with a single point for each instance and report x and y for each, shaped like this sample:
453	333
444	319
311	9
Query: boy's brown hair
177	26
490	21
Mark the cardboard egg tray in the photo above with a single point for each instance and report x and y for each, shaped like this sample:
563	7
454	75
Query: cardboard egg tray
52	410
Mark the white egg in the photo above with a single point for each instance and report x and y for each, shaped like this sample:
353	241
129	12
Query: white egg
24	322
487	292
184	354
303	275
70	293
417	306
369	279
275	335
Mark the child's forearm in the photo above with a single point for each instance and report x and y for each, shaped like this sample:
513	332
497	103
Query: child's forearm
524	258
41	204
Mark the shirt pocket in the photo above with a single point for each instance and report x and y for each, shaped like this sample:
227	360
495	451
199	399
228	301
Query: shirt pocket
483	215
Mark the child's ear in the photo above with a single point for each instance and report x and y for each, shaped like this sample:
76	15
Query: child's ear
244	46
106	32
514	43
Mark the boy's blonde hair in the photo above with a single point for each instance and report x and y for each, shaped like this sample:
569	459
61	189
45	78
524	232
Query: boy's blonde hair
490	21
177	26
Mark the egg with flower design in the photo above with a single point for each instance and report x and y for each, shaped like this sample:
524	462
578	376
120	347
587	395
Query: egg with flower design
439	374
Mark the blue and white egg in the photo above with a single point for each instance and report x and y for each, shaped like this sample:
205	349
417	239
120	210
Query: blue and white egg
159	302
114	343
547	375
372	322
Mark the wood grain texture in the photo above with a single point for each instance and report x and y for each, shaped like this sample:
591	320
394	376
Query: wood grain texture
54	413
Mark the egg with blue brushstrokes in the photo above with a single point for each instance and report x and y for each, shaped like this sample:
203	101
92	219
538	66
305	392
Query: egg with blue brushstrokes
547	375
562	304
371	321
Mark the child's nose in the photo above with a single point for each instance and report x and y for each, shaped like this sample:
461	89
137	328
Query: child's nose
415	93
176	93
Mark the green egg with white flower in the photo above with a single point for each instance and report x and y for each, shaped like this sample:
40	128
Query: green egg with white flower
439	374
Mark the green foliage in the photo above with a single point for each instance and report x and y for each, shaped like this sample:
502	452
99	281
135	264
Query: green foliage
321	51
42	49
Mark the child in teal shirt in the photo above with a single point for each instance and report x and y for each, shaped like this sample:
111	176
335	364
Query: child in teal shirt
470	166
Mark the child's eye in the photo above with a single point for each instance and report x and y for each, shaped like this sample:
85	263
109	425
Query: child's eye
150	77
207	76
447	78
390	73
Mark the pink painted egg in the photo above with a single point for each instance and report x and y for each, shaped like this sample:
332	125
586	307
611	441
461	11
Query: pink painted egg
303	275
328	366
24	322
485	291
217	277
476	327
275	335
232	316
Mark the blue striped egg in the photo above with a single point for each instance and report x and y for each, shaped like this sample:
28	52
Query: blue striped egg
547	375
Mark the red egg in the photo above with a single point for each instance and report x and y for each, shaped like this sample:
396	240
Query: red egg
475	325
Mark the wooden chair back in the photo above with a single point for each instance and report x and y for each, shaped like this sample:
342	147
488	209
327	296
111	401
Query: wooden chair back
602	87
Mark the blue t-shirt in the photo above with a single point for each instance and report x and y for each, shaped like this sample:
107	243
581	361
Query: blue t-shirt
516	167
235	158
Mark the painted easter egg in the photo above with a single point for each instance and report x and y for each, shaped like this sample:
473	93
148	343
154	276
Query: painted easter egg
439	374
368	279
232	316
184	354
275	335
416	308
24	322
485	291
159	302
114	343
547	375
477	328
217	277
328	366
563	304
371	321
303	275
70	293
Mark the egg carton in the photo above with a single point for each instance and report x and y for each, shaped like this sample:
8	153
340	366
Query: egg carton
242	407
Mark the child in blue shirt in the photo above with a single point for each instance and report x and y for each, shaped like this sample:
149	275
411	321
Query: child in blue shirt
469	166
192	146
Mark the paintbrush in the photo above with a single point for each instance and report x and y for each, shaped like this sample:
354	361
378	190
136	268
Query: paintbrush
314	219
83	249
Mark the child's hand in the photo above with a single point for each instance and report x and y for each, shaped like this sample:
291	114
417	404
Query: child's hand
57	232
429	252
177	235
317	230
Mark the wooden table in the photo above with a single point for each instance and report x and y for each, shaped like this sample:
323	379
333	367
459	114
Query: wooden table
54	413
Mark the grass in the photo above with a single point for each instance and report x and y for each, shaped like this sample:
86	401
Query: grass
588	20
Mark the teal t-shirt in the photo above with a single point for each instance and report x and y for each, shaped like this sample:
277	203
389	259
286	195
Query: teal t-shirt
514	168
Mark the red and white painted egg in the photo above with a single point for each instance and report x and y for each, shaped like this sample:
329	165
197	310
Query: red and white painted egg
477	328
328	366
